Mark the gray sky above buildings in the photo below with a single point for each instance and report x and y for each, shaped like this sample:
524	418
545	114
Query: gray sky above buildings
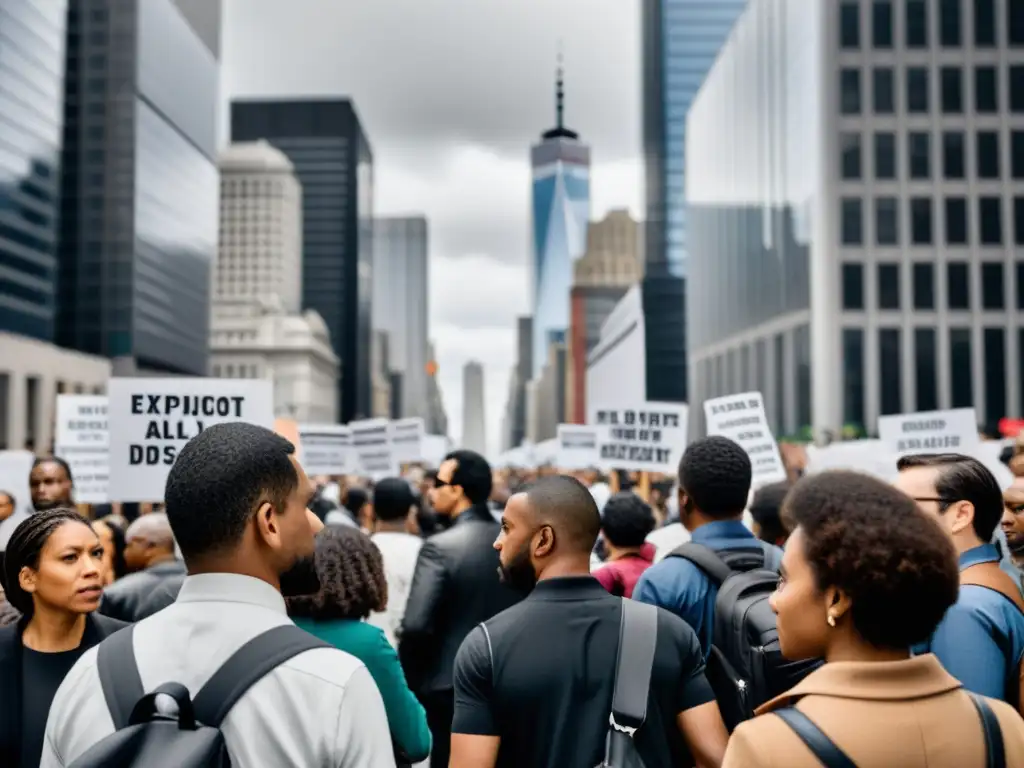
451	95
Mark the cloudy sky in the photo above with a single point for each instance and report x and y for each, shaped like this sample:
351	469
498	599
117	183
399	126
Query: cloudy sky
451	94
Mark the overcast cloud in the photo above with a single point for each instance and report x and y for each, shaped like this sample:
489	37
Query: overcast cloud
451	94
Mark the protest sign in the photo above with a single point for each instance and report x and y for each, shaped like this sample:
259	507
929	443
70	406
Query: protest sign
953	431
742	419
326	449
371	445
15	467
870	457
407	440
647	437
577	447
83	441
151	419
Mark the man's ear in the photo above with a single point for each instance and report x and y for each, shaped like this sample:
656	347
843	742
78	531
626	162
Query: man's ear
546	542
267	525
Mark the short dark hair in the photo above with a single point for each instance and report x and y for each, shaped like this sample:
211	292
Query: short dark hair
356	499
392	499
218	479
565	503
25	546
352	579
715	473
40	460
766	509
963	478
473	474
626	520
872	541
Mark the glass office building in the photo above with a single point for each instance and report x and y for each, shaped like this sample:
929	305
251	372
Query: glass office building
32	40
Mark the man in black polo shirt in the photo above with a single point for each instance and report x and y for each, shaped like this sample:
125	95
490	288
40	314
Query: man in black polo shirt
533	685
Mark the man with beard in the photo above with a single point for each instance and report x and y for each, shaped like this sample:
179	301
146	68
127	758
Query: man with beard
237	501
533	686
455	586
1013	528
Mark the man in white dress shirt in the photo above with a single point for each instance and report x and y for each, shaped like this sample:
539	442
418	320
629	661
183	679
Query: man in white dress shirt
394	519
236	499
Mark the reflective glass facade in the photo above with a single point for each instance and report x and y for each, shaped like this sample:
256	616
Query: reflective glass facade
32	41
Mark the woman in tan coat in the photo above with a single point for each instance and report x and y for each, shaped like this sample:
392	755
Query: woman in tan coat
865	576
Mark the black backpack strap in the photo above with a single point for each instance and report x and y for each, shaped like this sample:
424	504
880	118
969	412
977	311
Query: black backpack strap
828	754
638	637
248	665
996	754
772	556
704	558
119	675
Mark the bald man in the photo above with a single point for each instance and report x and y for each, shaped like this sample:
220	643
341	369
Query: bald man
150	556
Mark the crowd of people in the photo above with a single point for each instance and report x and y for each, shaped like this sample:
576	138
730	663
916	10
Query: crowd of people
475	618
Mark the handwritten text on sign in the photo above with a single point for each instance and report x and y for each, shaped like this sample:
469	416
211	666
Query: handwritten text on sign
742	419
627	428
930	432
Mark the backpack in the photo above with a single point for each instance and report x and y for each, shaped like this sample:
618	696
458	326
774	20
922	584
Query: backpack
191	738
745	666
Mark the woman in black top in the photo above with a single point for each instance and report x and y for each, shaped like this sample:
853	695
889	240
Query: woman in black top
53	574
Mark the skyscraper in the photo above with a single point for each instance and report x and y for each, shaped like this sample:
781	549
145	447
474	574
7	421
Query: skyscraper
334	163
561	208
140	186
474	433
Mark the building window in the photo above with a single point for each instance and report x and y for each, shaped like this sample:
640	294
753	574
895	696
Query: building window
921	220
949	23
1016	81
988	154
849	25
849	90
1019	269
952	83
958	286
1018	220
884	91
881	23
961	367
1015	22
853	224
889	286
917	24
953	166
917	89
891	382
926	382
990	221
924	285
919	150
992	286
985	23
850	143
853	286
1017	154
956	221
804	393
986	89
885	156
853	377
995	374
887	230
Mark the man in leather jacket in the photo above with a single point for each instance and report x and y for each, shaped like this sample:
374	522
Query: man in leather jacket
149	554
455	587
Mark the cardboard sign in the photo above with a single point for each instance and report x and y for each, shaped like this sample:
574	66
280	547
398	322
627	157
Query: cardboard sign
151	419
326	449
371	444
407	440
953	431
83	441
742	419
578	447
649	437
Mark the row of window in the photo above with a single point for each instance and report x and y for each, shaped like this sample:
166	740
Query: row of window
921	225
958	286
917	90
926	374
918	151
951	19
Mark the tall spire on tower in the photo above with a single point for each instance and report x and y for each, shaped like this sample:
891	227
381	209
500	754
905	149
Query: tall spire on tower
559	92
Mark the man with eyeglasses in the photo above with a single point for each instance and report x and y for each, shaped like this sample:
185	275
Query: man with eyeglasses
981	639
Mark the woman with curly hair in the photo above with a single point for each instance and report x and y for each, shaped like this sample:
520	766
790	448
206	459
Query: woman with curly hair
866	576
353	585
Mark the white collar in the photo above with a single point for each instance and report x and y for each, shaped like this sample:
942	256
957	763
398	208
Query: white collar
231	588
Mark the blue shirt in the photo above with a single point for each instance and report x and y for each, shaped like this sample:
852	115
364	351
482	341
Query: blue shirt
682	588
980	640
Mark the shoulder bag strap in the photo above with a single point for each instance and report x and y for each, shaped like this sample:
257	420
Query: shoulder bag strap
828	754
772	556
995	753
704	558
248	665
991	576
119	675
638	637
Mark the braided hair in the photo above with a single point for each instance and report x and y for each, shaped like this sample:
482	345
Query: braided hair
352	582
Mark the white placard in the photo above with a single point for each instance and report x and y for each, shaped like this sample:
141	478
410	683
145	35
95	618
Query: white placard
872	457
647	437
742	419
953	431
151	419
407	440
371	444
326	449
15	467
578	446
83	441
